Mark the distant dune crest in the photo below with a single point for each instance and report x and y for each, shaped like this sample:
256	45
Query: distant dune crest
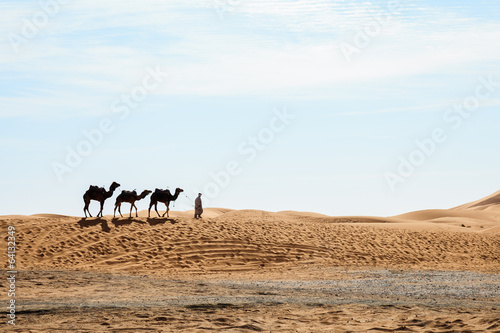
491	202
465	237
483	211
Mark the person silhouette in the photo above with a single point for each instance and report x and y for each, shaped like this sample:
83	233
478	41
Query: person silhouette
198	207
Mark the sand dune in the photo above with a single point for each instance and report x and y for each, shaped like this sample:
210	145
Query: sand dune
207	213
489	203
308	214
141	253
50	215
247	240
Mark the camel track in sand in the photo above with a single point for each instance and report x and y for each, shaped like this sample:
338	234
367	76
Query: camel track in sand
244	241
243	271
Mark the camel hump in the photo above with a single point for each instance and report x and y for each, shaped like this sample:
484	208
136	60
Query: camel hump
94	188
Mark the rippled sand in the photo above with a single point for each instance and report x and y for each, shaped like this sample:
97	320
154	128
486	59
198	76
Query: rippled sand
239	271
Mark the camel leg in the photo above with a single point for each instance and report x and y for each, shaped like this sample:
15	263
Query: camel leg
118	206
156	208
166	212
136	215
86	209
131	206
102	208
149	209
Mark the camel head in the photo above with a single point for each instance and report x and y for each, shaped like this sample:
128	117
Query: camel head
113	186
145	193
177	192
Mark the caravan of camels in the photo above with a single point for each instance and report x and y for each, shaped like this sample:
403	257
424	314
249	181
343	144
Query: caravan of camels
100	194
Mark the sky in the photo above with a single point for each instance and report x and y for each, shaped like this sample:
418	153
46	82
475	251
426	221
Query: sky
337	107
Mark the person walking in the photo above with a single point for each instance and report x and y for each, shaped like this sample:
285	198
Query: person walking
198	207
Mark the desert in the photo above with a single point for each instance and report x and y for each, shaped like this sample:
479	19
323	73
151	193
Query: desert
257	271
249	166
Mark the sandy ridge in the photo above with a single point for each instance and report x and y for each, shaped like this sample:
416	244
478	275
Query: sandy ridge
256	271
248	240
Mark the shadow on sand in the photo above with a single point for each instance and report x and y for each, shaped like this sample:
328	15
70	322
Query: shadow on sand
93	221
118	222
160	220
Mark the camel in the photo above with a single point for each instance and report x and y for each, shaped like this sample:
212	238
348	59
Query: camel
163	196
130	197
99	194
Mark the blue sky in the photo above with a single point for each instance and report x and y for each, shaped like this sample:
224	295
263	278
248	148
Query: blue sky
364	85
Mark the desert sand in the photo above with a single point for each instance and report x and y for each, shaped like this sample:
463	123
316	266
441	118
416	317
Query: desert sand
250	270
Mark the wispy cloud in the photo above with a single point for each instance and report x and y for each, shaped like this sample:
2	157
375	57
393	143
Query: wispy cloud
100	48
418	109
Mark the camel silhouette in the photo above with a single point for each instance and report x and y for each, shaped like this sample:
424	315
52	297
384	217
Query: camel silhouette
163	196
130	197
98	194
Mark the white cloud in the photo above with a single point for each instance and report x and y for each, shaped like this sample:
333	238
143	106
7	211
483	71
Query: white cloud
98	49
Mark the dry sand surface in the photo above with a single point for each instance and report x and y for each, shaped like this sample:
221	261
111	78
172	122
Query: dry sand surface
248	270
